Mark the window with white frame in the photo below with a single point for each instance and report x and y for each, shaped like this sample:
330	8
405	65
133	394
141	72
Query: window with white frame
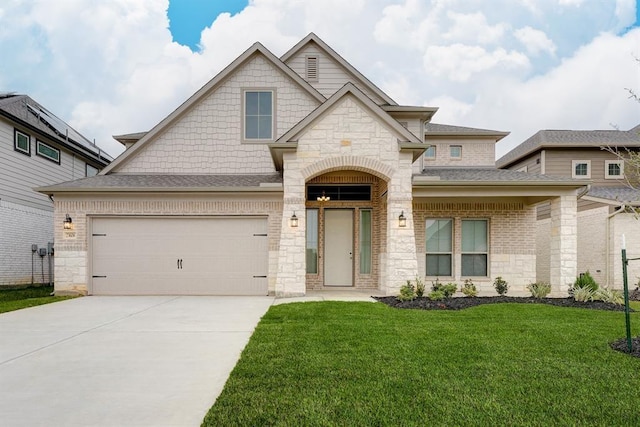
613	169
47	151
475	248
430	153
365	241
455	151
312	241
21	142
439	247
258	115
581	168
90	170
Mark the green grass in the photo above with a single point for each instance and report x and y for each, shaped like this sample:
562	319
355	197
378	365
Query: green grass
15	299
337	363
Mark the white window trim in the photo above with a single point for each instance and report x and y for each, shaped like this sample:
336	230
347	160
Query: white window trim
246	140
488	252
40	143
16	132
574	163
452	253
455	157
606	169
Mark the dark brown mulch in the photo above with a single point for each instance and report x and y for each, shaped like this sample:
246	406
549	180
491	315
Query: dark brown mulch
622	346
466	302
635	295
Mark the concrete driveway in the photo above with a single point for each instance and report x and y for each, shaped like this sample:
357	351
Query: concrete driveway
121	361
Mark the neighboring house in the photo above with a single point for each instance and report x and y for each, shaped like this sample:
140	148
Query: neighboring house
283	175
36	148
603	211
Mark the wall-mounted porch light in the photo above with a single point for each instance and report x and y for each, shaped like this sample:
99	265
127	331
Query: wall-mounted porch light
402	220
68	223
293	220
323	198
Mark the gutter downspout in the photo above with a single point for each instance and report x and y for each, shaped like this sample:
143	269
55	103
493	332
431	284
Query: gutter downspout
621	209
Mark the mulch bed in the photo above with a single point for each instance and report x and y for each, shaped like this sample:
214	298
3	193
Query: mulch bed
467	302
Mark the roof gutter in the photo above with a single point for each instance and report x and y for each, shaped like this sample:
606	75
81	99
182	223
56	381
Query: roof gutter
261	189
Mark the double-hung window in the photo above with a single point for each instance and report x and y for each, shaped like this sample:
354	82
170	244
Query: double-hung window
475	248
258	115
439	247
455	151
430	153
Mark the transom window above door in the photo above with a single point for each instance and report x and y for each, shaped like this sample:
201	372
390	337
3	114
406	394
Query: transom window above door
258	115
339	192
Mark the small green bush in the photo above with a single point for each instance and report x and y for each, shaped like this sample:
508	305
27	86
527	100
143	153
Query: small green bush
437	295
469	289
419	287
500	285
447	290
407	292
612	296
585	280
539	289
436	285
583	294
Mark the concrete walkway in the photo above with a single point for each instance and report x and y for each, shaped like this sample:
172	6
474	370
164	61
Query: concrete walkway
121	361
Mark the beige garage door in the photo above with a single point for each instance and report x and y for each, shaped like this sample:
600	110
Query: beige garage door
179	256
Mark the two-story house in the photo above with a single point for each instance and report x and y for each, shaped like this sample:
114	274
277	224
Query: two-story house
604	213
282	175
36	148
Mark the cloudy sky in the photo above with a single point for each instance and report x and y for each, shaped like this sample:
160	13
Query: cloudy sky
118	66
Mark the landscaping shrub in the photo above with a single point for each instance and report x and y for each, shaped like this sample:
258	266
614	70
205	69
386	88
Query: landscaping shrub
586	280
539	289
419	288
469	289
583	294
612	296
448	290
437	295
501	285
407	292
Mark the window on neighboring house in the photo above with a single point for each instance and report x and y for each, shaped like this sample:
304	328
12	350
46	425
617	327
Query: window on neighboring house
581	168
47	151
522	169
90	170
439	247
613	169
430	153
311	68
455	151
258	115
365	241
21	142
312	241
475	248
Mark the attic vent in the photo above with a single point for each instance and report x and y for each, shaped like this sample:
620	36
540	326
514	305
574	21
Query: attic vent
311	68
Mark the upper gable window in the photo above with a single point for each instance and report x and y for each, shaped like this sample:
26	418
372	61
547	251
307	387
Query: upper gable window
311	68
455	151
581	169
21	142
430	153
258	115
47	151
90	170
613	169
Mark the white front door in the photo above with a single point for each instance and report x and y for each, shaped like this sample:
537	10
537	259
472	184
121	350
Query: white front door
338	247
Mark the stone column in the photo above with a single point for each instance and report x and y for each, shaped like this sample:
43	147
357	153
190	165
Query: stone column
291	274
563	244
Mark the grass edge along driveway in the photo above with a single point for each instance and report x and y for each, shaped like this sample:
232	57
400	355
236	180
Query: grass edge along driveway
341	363
16	299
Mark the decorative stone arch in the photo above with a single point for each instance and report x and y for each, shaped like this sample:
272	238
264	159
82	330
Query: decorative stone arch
360	164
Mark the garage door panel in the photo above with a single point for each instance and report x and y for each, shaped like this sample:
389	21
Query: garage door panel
181	256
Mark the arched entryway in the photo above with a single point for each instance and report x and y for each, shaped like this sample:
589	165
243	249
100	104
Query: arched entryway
345	230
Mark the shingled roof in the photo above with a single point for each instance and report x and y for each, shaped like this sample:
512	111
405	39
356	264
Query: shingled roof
437	129
571	139
484	176
616	194
168	183
29	113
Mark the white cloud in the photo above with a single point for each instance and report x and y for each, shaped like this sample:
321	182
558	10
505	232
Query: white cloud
535	41
460	62
570	2
110	67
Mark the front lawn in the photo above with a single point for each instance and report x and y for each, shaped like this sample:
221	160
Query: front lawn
340	363
15	299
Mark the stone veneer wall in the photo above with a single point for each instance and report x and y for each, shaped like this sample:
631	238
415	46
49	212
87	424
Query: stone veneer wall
543	258
592	243
71	257
629	225
512	245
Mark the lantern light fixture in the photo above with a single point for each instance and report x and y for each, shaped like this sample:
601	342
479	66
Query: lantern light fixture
402	220
294	220
68	223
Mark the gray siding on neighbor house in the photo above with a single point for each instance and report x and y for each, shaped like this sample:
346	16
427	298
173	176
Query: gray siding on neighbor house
20	173
533	163
331	75
558	163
